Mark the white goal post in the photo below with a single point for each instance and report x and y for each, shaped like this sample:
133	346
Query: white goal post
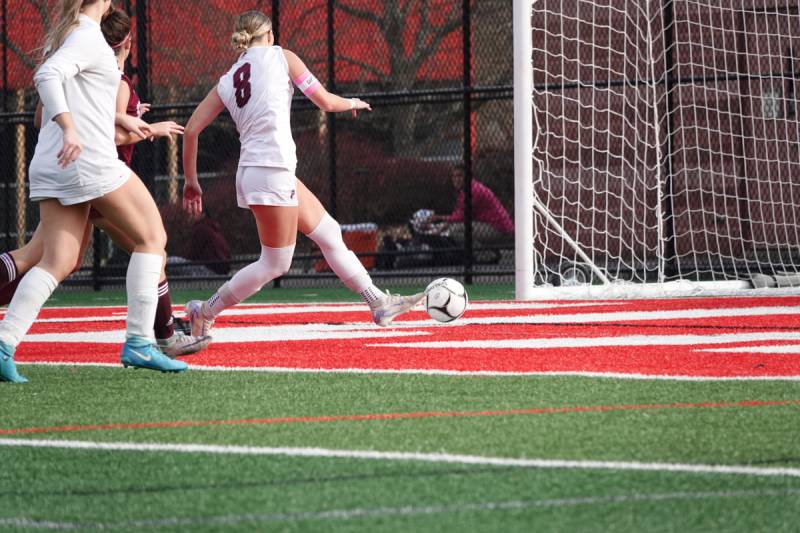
657	147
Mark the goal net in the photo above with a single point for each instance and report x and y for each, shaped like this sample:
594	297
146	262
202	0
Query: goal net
666	145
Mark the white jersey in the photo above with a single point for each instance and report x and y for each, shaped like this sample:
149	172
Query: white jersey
258	94
82	78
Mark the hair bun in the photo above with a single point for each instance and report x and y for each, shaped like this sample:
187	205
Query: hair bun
241	39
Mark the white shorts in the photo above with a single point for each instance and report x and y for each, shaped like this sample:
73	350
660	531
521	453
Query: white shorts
79	183
265	186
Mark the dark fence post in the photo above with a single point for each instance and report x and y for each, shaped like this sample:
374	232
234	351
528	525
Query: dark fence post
668	14
5	54
142	78
97	282
6	178
276	20
331	119
467	69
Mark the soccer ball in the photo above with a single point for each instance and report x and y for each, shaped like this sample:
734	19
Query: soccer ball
445	299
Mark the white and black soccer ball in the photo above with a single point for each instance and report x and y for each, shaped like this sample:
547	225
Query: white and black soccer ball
445	299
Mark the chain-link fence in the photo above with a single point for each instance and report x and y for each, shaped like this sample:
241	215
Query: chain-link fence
437	73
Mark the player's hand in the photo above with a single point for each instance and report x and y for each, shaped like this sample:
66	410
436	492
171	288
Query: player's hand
72	148
192	198
165	129
357	104
143	108
134	125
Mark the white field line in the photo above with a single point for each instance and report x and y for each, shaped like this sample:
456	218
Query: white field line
635	316
785	349
277	333
405	456
592	342
284	332
252	310
409	510
579	318
444	373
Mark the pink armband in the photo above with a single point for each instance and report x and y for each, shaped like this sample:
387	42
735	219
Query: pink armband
307	83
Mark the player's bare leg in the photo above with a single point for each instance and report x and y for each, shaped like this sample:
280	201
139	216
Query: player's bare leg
277	231
131	209
315	222
173	343
60	229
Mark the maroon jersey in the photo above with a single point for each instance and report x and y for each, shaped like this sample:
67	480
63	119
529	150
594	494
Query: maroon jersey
125	152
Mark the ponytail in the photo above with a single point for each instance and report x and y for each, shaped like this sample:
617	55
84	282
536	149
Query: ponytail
67	21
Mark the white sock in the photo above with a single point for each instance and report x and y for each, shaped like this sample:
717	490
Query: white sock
141	282
221	300
273	263
328	236
372	295
33	291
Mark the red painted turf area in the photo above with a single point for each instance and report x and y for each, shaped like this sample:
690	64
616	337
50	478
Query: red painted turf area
381	353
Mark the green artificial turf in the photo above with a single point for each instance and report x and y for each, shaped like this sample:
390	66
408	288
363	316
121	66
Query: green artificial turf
70	296
136	490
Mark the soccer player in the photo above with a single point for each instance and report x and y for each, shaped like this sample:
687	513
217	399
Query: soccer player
75	163
116	28
257	91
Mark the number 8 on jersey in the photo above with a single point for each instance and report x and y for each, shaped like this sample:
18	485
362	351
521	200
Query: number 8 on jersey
241	82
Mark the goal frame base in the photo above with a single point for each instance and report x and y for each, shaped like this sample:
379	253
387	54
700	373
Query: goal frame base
669	289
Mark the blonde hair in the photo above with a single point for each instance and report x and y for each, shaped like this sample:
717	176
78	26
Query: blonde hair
67	21
250	26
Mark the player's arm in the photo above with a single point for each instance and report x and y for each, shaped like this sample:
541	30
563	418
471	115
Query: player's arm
37	116
65	63
316	92
129	130
206	112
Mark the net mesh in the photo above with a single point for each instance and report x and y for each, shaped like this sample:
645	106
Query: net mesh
667	142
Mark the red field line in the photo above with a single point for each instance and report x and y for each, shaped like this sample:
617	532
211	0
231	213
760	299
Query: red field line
398	416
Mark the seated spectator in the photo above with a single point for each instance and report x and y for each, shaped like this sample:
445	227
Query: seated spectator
491	223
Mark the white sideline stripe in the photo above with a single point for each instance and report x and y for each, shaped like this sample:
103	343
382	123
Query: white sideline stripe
403	456
349	308
622	316
579	318
250	310
445	373
276	333
591	342
409	510
283	332
786	349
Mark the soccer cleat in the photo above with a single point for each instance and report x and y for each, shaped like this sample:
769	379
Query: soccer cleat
8	370
392	305
181	344
201	326
141	353
182	325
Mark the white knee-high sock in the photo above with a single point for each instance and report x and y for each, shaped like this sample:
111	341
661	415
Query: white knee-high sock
273	263
344	263
219	301
33	291
141	281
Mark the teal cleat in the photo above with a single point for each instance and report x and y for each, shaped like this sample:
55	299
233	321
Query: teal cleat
8	370
141	353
